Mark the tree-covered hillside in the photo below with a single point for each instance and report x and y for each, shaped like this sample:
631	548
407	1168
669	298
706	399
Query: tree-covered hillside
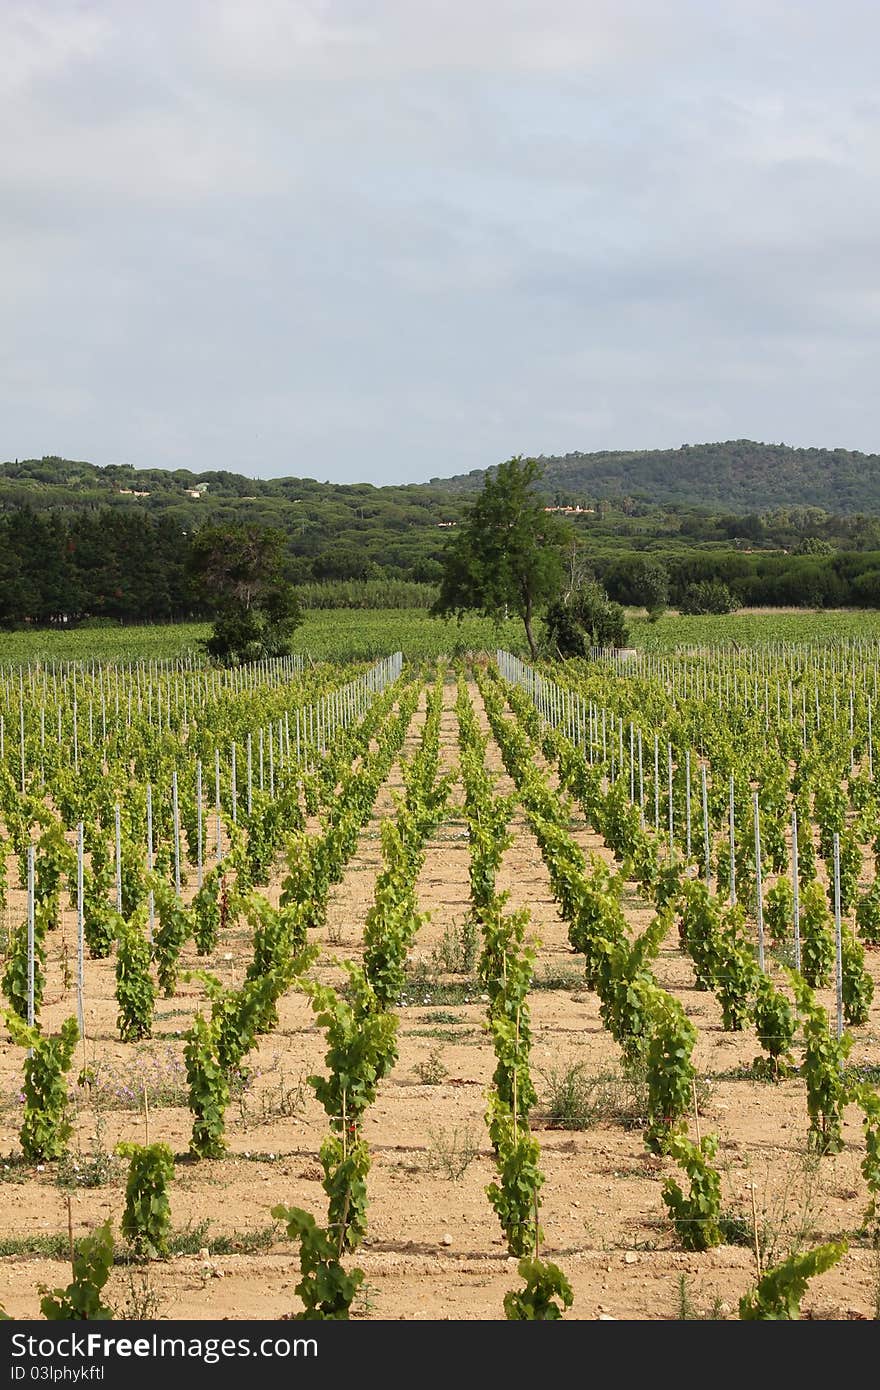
739	475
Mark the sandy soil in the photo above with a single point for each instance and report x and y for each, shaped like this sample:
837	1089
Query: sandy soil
434	1248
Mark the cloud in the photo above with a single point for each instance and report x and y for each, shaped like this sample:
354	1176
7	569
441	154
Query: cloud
384	240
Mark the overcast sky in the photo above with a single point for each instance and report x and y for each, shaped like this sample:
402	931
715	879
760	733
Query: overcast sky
385	240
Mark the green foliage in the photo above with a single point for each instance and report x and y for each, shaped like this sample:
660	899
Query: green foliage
135	989
15	976
868	914
81	1299
707	596
696	1216
171	933
857	982
626	987
776	1026
208	1089
850	859
279	953
326	1290
869	1101
779	1290
45	1127
506	554
669	1070
822	1069
362	1046
584	618
779	912
54	864
146	1221
537	1302
239	571
737	975
346	1163
817	937
701	931
515	1196
650	585
101	921
207	910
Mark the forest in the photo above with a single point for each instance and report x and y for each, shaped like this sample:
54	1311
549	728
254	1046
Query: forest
80	542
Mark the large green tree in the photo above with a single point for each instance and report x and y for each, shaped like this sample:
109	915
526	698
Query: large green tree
507	554
240	572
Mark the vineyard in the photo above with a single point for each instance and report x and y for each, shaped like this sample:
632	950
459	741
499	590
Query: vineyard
452	988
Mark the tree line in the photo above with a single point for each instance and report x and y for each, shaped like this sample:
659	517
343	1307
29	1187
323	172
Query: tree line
63	567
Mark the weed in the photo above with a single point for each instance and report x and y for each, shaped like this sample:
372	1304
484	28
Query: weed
452	1152
424	986
432	1071
788	1219
687	1309
364	1301
15	1168
190	1240
283	1099
160	1073
194	1240
457	952
560	979
571	1097
143	1302
578	1099
51	1247
95	1169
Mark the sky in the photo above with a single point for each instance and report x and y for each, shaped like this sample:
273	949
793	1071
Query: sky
388	240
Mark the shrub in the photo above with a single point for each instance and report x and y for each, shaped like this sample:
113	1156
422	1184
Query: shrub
707	596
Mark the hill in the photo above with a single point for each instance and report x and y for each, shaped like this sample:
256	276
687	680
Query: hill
740	476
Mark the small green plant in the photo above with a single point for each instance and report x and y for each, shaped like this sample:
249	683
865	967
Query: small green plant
869	1101
779	912
95	1169
46	1127
452	1152
857	982
15	976
779	1291
207	910
817	937
143	1302
571	1101
515	1195
146	1221
697	1216
172	931
326	1288
457	952
101	921
208	1090
546	1295
135	989
737	978
776	1025
823	1070
687	1310
92	1262
868	914
669	1070
431	1071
